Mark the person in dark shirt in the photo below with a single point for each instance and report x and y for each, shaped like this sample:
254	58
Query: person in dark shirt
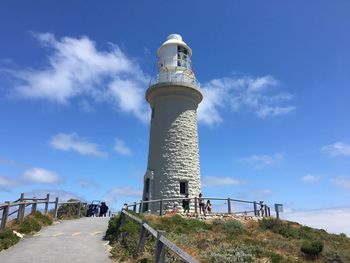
186	204
103	209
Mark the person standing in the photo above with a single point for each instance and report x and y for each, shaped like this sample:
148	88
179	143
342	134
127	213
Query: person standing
186	204
103	209
208	207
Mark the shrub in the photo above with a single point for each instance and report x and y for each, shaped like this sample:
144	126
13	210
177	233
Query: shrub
7	239
69	211
230	227
224	254
44	220
312	249
29	225
112	230
277	226
179	224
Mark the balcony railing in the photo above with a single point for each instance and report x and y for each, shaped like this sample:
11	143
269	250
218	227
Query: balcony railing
175	77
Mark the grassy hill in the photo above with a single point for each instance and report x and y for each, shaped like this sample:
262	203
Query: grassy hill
240	239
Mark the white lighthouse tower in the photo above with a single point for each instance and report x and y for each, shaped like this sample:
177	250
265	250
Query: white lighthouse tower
173	159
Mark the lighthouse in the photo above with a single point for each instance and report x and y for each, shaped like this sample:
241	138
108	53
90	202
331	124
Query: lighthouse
173	168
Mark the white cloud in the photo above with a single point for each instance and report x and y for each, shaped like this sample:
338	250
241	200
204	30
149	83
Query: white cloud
87	184
337	149
214	181
121	148
6	182
310	178
76	68
342	181
72	142
40	175
335	220
243	94
262	161
122	192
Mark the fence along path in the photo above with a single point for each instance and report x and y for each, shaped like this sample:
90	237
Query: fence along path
161	244
23	202
264	210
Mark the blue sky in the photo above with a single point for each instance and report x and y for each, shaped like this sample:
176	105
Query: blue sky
274	123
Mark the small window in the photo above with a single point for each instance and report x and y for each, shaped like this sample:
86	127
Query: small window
183	187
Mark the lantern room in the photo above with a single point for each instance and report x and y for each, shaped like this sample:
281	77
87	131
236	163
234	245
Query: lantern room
174	61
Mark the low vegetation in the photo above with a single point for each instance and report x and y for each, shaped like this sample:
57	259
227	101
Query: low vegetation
230	240
71	211
30	225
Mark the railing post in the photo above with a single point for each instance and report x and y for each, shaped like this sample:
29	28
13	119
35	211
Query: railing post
5	213
134	208
79	209
265	210
56	208
34	206
255	209
161	207
47	204
140	207
21	209
195	205
159	254
229	205
268	211
142	241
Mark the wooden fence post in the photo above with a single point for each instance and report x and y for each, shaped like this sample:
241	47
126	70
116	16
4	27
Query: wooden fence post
5	213
134	207
56	208
140	207
268	211
265	210
159	254
195	205
161	207
229	205
47	204
21	209
34	206
255	209
142	241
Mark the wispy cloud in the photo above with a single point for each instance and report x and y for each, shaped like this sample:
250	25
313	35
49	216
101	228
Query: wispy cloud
121	148
40	175
342	181
243	94
215	181
337	149
335	220
76	68
262	161
7	182
122	192
87	184
72	142
311	178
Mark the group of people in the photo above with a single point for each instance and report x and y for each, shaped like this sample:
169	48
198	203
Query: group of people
203	207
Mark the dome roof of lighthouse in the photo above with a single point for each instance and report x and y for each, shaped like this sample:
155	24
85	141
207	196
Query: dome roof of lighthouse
175	39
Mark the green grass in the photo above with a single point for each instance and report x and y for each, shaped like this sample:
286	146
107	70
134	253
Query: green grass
7	239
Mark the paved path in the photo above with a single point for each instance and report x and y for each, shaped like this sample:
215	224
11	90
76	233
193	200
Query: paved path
69	241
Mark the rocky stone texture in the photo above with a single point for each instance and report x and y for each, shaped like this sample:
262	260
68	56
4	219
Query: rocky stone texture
173	150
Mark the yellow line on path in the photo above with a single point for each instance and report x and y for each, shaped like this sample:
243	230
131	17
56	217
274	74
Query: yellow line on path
95	233
76	234
58	234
